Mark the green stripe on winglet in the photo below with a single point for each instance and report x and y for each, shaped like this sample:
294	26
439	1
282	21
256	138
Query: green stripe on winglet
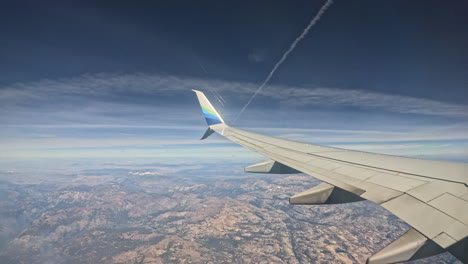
209	111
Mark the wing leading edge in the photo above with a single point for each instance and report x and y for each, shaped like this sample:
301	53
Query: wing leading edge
431	196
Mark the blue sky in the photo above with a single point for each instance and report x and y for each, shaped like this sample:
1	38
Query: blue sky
88	79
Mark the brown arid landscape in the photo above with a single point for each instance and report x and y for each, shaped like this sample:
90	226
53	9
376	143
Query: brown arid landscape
157	216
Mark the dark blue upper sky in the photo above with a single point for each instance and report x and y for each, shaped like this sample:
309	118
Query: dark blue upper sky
403	47
118	74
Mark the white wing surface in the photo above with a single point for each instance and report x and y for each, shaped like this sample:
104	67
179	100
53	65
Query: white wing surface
431	196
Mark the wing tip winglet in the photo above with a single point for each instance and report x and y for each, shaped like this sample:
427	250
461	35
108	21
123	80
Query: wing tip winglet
211	115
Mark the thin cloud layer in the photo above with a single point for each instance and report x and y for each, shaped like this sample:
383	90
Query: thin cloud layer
118	86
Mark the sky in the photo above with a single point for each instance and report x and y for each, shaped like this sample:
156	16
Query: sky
112	80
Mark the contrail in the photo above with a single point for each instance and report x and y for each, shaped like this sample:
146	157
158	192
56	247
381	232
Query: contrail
201	66
222	99
286	54
216	94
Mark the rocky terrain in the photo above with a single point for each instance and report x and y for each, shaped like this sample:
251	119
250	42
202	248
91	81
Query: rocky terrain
151	217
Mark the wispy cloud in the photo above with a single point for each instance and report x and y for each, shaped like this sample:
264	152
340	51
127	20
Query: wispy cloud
58	142
398	134
105	87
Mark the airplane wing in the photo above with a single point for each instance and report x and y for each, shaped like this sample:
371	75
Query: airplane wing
431	196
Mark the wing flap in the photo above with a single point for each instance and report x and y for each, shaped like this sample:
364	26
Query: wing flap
425	218
436	188
451	205
444	240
